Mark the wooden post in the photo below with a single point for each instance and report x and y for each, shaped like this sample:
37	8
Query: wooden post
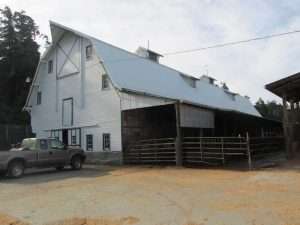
179	136
223	156
249	151
286	127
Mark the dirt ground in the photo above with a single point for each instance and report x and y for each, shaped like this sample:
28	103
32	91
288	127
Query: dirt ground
102	195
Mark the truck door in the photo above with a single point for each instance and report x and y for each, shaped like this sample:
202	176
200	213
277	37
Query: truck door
45	155
59	153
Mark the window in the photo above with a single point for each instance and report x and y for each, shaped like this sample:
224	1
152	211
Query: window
89	142
44	144
56	144
106	142
73	140
105	82
67	111
88	51
55	134
50	66
39	98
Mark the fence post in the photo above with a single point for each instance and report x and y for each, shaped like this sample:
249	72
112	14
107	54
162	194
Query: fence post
179	136
249	151
222	146
201	150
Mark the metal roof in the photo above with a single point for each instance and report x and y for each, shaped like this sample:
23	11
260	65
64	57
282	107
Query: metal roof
288	87
130	72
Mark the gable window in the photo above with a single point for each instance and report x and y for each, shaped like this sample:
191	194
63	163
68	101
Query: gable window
67	112
39	98
50	66
106	142
105	82
89	142
88	51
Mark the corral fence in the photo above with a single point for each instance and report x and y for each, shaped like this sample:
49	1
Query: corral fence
13	134
203	150
151	151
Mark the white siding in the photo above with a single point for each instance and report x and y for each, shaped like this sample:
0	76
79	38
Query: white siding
100	112
196	117
134	101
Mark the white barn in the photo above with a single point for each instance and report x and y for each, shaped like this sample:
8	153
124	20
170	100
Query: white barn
82	85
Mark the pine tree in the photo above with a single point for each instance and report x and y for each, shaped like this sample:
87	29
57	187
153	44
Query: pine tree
19	56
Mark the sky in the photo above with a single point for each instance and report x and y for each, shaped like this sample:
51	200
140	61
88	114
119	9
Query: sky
174	25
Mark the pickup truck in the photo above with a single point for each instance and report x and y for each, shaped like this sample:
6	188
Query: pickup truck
39	153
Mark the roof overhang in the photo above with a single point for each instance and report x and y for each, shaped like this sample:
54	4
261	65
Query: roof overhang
288	87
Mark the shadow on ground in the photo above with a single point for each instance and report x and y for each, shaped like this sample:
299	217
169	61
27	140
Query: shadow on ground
35	176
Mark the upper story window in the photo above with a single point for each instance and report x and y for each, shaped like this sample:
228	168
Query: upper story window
88	51
105	82
50	66
39	98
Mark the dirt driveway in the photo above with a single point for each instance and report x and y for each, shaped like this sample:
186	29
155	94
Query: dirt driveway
162	196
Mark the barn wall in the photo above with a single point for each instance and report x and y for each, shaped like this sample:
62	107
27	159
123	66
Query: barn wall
135	101
96	111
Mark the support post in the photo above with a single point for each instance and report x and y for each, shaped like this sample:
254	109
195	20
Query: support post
178	144
223	155
286	127
249	151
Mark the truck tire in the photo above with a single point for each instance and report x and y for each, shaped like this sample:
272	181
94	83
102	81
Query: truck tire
76	162
16	169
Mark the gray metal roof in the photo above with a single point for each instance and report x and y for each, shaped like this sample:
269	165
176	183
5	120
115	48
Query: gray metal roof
130	72
134	73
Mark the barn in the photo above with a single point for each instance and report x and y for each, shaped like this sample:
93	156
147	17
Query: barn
91	94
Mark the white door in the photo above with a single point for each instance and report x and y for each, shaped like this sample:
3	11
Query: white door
67	111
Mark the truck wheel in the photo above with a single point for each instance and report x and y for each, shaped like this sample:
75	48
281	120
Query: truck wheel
76	163
16	169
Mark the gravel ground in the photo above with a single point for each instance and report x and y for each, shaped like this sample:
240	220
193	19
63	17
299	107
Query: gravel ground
99	195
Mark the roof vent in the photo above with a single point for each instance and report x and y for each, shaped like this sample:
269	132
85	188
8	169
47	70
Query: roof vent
148	54
208	79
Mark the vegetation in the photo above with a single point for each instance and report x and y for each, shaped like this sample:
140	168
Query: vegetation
270	110
19	56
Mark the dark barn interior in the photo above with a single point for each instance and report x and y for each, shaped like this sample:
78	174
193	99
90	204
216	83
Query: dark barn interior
160	122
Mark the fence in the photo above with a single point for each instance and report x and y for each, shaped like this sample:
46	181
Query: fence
203	150
212	150
12	134
151	151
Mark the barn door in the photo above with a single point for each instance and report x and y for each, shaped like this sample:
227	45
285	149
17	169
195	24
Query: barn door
67	112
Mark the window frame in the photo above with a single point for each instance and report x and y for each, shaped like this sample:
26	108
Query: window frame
89	146
88	52
53	147
45	142
106	142
104	81
50	66
39	98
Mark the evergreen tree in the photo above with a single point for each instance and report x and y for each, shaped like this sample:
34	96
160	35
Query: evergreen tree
271	110
19	57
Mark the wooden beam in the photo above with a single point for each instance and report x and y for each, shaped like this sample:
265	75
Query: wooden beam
285	127
179	136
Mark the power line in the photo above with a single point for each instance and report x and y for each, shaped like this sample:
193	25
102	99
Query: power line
231	43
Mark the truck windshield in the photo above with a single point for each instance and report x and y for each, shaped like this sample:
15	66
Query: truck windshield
28	143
